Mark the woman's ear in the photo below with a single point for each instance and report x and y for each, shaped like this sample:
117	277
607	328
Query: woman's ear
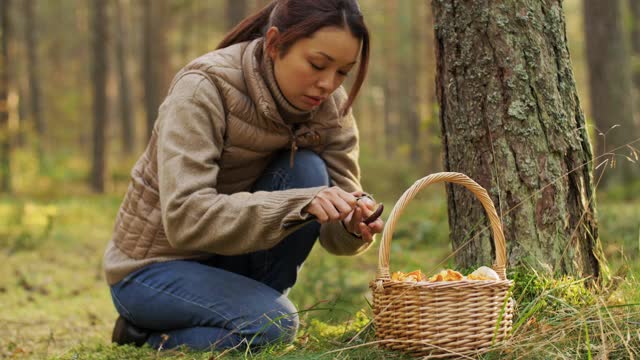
271	36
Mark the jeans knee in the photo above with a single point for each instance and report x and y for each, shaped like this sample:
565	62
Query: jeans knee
309	170
282	325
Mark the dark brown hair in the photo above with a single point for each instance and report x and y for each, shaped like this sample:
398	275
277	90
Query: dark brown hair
296	19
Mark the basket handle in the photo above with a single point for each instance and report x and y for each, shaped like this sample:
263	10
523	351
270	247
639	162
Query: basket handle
452	177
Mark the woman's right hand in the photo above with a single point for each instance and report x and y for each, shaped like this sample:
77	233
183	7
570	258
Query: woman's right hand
331	204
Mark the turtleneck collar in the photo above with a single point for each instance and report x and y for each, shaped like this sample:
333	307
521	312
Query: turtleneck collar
290	114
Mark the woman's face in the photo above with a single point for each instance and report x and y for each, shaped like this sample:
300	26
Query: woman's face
314	66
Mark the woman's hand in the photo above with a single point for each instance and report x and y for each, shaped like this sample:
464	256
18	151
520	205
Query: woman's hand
331	204
354	221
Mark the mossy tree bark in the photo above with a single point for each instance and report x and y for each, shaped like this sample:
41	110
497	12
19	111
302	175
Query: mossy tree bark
511	120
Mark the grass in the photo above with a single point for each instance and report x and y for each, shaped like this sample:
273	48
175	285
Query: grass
56	305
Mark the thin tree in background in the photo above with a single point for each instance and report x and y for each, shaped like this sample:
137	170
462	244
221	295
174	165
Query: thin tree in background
155	59
370	117
126	121
610	83
236	11
410	65
433	146
17	106
511	120
390	83
5	140
99	30
634	6
187	24
33	61
150	99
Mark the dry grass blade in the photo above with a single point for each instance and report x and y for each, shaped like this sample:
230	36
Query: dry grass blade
617	329
633	151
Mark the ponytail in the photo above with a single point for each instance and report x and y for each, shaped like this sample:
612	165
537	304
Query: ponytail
250	28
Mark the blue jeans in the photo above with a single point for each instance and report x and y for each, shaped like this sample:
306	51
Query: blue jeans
227	301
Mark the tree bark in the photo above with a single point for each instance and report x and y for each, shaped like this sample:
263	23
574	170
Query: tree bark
5	140
126	121
610	85
236	11
33	67
511	120
99	94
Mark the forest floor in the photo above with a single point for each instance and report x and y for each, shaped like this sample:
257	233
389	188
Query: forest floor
54	302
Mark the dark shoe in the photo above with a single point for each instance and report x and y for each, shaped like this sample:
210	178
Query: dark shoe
125	333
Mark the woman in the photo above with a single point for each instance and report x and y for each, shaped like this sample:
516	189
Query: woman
252	158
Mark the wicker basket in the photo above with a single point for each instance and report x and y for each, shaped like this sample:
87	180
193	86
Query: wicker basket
442	319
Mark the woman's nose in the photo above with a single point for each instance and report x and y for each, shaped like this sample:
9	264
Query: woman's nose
327	81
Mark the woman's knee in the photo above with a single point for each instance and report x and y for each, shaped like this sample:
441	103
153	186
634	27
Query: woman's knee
281	324
309	170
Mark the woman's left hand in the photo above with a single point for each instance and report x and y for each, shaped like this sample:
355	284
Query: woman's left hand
354	221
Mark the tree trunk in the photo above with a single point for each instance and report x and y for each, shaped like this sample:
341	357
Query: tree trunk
17	107
5	140
634	6
34	74
154	59
22	115
187	25
610	85
410	99
433	145
126	121
236	11
511	120
99	93
390	82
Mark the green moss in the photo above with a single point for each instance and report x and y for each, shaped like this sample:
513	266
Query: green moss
518	110
532	287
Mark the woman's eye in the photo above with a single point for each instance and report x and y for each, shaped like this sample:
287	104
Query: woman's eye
343	73
316	66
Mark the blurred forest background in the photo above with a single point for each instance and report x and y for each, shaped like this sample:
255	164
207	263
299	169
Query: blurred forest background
85	79
82	82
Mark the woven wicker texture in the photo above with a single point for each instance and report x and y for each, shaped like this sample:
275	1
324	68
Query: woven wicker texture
442	319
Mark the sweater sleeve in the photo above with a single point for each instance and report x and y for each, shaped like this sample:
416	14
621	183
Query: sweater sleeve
341	156
191	127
